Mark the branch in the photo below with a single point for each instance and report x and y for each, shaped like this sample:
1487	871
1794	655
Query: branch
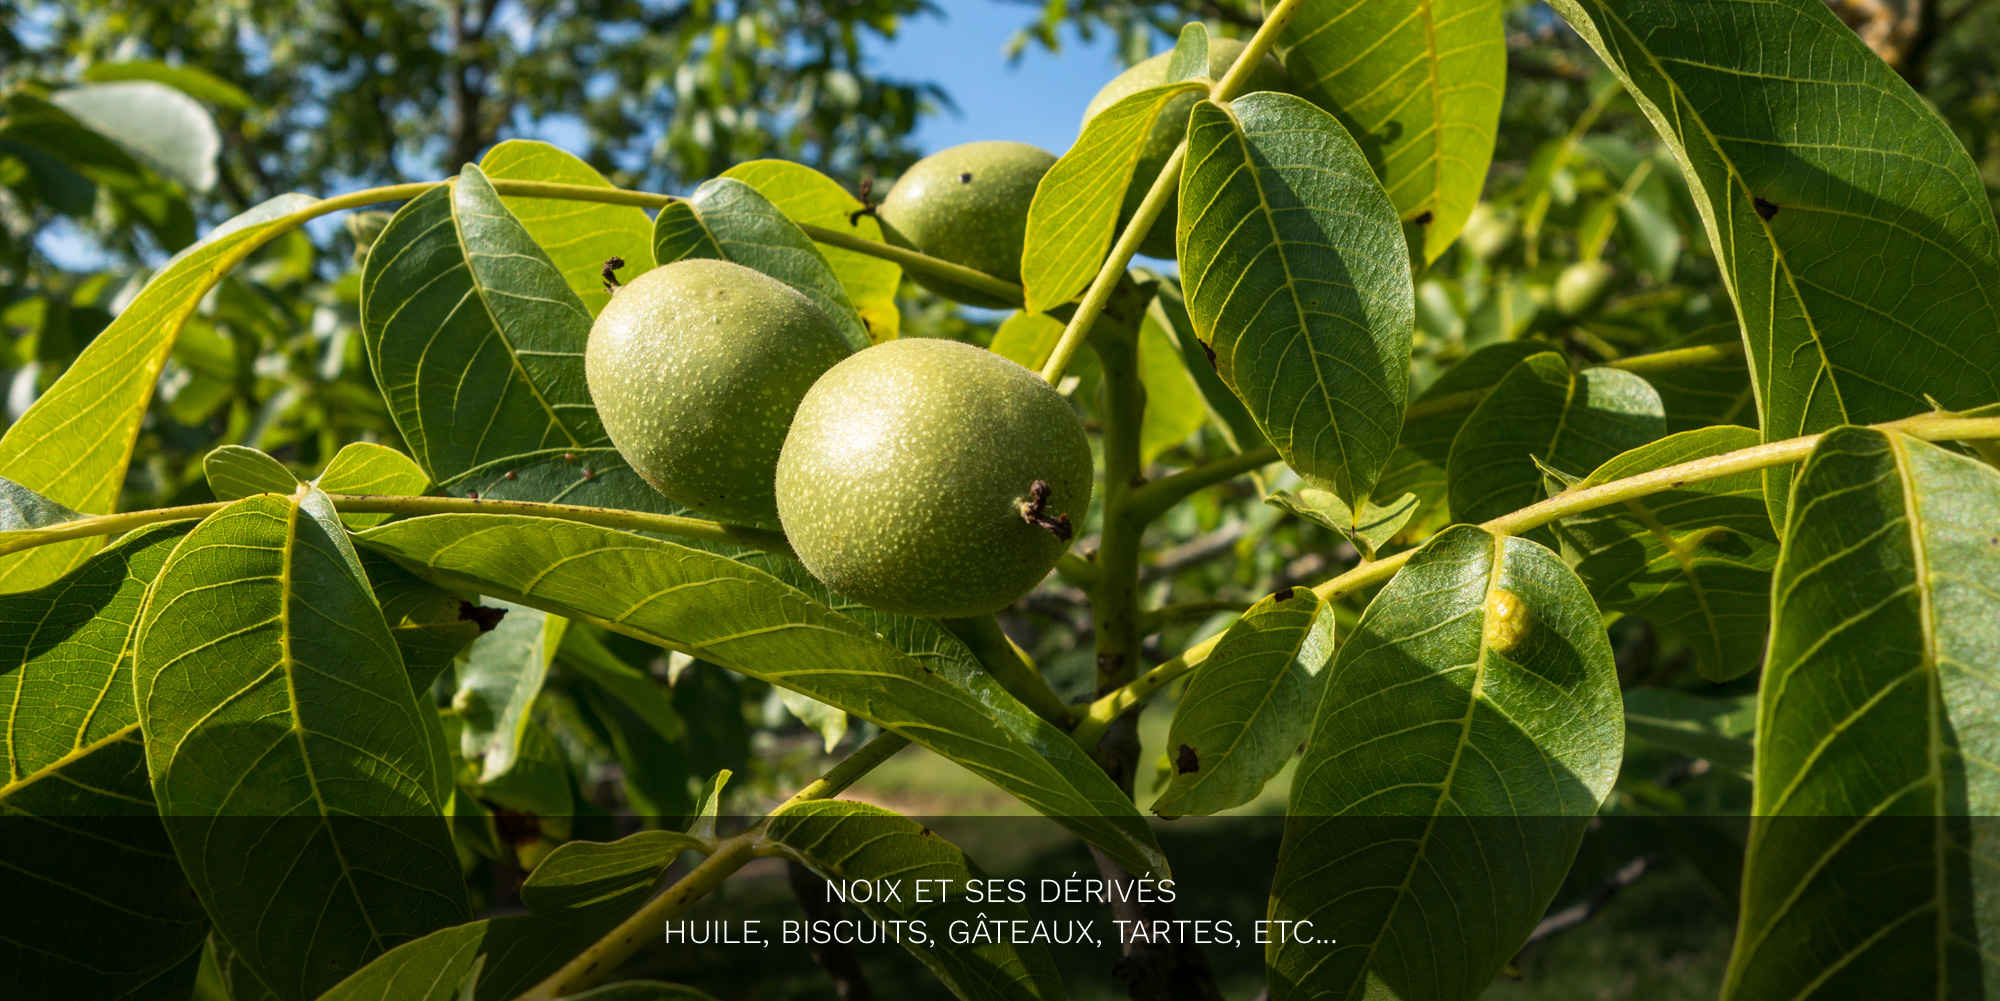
1165	186
637	521
1582	911
1926	427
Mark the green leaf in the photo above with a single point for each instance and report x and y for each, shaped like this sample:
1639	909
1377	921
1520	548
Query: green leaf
1189	58
1027	339
708	805
1173	405
1469	729
1074	216
642	990
287	749
1238	428
189	80
366	468
1878	723
97	906
1713	728
584	653
1248	706
1695	561
498	680
732	614
1542	414
168	130
827	721
1297	277
843	841
1698	396
475	337
588	886
1850	224
1418	464
511	955
729	220
1419	85
73	445
811	198
1371	527
237	471
23	510
577	236
430	625
157	203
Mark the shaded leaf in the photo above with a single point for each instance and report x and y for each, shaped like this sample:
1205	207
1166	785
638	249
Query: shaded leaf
1850	224
731	614
1698	396
475	337
498	680
1470	728
236	471
642	990
1173	405
1073	219
854	841
1878	723
1296	275
1419	86
588	886
430	625
581	651
1695	561
1238	428
22	509
97	906
1248	706
1714	728
729	220
1418	464
1542	414
73	445
286	747
807	196
577	236
1371	527
511	955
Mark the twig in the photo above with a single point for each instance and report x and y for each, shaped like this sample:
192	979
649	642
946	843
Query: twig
1582	911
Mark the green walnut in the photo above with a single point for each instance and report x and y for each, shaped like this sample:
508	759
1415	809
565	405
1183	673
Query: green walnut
1171	127
967	205
931	477
1582	287
696	368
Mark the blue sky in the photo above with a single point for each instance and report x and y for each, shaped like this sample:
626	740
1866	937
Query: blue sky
1037	100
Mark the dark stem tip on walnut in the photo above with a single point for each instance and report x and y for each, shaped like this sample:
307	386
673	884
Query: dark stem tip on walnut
1034	511
611	266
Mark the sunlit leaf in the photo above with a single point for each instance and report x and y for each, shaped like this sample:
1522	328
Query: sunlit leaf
498	680
1419	85
1247	708
807	196
1878	723
168	130
1851	226
578	236
1297	277
236	471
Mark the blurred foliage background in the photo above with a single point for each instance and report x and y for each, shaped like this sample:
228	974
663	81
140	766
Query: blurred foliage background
1587	240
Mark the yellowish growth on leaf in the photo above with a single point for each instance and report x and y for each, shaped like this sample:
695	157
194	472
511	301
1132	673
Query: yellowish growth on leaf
1508	620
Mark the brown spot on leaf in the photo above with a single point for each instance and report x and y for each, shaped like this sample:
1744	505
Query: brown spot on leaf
1187	761
1210	352
1285	595
1765	209
1424	218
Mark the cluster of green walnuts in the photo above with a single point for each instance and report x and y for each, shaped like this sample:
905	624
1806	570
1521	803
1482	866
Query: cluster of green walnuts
925	477
920	476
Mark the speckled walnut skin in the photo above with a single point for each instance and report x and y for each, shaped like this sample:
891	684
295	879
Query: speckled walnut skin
967	205
696	368
902	482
